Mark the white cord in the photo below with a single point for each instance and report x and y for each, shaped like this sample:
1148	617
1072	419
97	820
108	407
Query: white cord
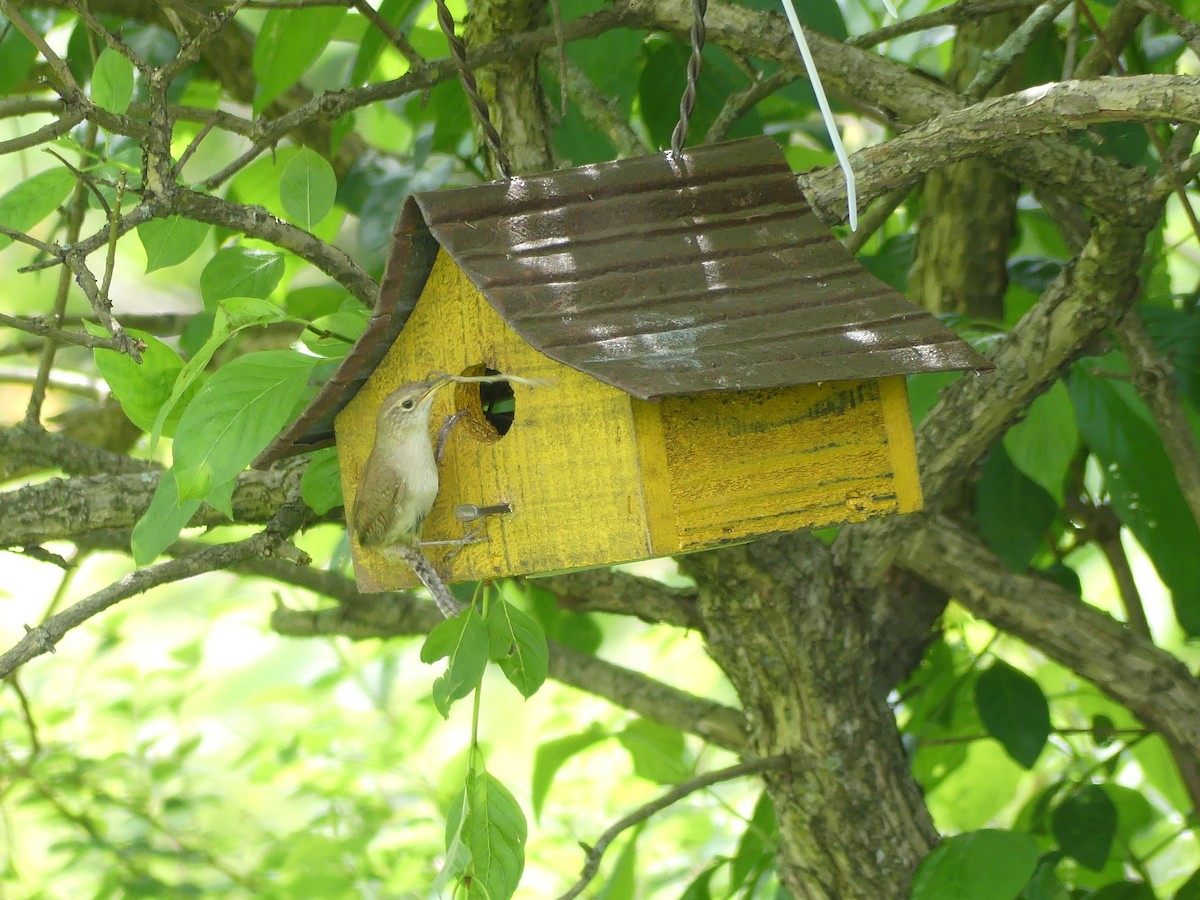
827	114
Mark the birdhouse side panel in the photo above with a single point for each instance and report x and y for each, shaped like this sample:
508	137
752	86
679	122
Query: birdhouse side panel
566	465
748	464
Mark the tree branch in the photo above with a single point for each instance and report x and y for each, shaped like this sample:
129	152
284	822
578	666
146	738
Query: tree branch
1154	685
43	638
363	616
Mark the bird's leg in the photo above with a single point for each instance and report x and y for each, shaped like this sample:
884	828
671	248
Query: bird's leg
443	434
429	577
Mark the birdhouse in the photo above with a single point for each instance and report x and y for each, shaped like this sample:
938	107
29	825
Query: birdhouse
714	366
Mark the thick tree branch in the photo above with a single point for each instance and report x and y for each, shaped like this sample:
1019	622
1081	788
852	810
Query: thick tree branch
43	638
363	616
995	127
1090	295
69	509
1154	685
603	590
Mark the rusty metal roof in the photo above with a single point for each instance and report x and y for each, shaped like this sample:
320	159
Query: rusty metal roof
658	276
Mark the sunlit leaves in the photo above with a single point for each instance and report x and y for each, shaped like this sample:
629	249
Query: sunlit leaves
486	820
33	199
239	271
288	43
307	188
112	82
463	642
394	12
171	240
550	757
1044	442
982	865
518	645
160	525
1014	711
659	752
321	485
241	407
141	388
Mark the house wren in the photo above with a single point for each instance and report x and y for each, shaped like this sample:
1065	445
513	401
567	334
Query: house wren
400	483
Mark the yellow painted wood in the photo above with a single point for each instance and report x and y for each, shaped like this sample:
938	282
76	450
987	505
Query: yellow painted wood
568	465
897	422
759	462
662	527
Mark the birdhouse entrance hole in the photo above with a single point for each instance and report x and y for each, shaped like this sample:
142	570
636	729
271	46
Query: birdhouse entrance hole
490	408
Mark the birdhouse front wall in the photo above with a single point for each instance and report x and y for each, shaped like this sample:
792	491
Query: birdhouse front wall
568	465
742	465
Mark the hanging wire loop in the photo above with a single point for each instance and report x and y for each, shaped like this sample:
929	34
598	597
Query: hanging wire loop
687	102
458	51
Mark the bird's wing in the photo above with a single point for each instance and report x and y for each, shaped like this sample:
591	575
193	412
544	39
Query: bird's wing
375	507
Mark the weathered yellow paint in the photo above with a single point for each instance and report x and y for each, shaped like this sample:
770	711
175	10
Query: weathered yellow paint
567	465
759	462
897	421
594	476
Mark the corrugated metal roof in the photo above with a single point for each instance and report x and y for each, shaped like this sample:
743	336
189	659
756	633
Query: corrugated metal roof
658	276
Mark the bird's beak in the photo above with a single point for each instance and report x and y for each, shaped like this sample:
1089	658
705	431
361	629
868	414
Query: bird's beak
433	385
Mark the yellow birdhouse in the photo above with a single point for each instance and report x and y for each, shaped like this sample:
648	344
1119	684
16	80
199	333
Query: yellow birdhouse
714	366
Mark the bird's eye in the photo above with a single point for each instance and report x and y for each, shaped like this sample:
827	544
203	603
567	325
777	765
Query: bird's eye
407	404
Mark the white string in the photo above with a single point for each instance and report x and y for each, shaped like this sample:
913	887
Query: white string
827	114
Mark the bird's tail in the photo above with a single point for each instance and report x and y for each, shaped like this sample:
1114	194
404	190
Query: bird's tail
429	577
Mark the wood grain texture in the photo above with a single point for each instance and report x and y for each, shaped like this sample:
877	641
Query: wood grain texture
568	466
761	462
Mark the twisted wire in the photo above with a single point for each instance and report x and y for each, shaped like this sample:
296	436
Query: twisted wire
687	102
459	53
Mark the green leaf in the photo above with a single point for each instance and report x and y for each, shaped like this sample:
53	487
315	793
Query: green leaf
757	848
1014	710
1043	444
307	188
112	82
344	328
658	751
494	831
1141	481
622	880
170	241
1124	890
1014	512
232	316
159	526
1084	824
463	640
1190	889
982	865
518	645
395	13
321	484
34	199
289	41
822	15
549	757
17	55
241	407
140	389
662	82
240	272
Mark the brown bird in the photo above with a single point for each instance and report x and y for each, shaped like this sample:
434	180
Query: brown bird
400	483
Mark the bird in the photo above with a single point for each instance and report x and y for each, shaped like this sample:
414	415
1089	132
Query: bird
400	483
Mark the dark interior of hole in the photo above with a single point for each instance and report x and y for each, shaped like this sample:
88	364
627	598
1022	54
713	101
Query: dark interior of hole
499	404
